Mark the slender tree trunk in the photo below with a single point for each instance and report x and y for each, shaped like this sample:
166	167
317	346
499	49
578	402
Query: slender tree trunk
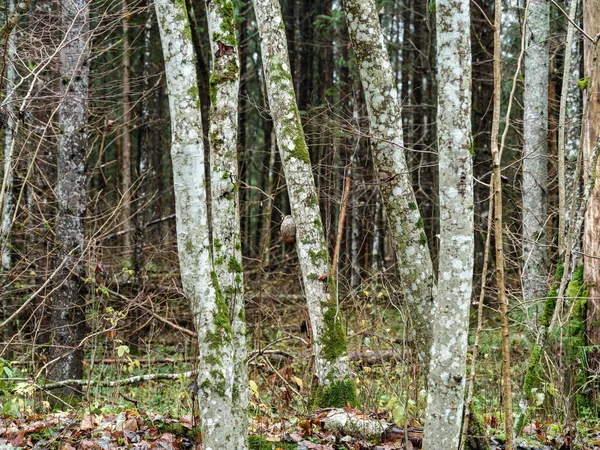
200	281
572	131
7	205
562	130
329	340
535	149
447	371
227	245
67	311
143	165
126	135
405	222
498	220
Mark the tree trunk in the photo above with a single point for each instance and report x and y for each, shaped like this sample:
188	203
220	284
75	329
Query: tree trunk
227	245
68	303
447	370
7	205
405	222
329	340
535	149
126	137
200	282
591	234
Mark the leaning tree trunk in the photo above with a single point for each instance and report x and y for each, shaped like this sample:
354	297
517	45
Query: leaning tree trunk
535	149
227	245
405	222
329	340
200	282
447	370
67	308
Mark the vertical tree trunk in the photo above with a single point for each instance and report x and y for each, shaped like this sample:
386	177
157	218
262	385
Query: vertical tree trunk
68	303
200	282
329	340
572	130
227	245
126	136
143	166
447	371
496	182
405	222
591	234
7	182
535	149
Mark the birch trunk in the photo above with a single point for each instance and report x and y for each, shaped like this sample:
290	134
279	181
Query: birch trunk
535	149
227	245
572	139
335	388
405	222
67	306
200	282
447	370
7	205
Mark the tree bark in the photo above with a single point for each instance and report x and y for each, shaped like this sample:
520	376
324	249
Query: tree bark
200	282
335	387
535	149
591	234
405	222
450	321
227	245
126	136
67	307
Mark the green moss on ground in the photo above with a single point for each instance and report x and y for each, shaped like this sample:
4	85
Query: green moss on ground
260	443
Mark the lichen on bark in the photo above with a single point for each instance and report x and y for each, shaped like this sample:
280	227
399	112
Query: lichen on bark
329	348
450	321
409	240
226	249
201	284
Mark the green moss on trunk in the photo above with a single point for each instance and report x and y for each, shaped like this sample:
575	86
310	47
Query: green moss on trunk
477	438
577	293
336	394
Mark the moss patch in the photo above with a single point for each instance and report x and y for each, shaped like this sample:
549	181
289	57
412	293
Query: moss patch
260	443
476	434
336	395
333	339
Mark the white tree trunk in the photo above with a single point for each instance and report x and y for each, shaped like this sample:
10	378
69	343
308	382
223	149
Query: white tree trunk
67	307
447	371
7	206
329	340
200	282
405	222
227	245
535	149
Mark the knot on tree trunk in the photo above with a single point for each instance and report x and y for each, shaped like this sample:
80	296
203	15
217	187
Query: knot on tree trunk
288	230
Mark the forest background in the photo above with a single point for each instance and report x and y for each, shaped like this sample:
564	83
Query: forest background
534	329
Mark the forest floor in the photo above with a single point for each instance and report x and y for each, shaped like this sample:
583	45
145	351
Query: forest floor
160	413
132	429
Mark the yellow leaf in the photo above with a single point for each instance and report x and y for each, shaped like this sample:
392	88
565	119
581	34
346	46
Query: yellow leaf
298	382
253	387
